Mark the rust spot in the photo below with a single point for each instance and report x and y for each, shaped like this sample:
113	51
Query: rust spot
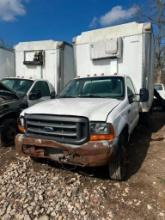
93	153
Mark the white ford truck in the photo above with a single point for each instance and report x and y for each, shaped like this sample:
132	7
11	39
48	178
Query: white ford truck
90	122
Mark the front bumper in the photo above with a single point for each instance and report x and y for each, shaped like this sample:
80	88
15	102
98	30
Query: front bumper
91	154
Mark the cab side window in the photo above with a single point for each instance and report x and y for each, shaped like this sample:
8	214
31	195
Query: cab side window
130	88
42	87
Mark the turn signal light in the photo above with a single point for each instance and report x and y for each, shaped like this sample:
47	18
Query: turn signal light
21	129
102	137
20	124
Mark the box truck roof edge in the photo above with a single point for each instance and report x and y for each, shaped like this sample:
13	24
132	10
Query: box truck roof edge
123	30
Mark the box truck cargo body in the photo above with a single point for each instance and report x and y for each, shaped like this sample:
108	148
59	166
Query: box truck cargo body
7	63
49	60
123	49
42	70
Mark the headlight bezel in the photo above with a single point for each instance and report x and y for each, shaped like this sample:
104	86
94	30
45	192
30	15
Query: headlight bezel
99	127
101	130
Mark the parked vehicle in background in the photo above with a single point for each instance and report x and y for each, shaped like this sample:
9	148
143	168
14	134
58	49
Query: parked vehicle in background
159	96
160	88
31	91
10	108
48	60
90	122
7	63
42	70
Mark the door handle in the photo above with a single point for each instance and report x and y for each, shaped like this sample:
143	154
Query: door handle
129	111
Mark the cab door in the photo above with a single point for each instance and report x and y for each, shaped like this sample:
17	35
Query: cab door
133	109
39	92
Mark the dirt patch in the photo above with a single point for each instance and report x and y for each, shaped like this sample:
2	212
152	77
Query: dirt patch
32	190
7	155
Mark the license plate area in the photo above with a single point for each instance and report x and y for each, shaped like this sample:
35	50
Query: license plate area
54	153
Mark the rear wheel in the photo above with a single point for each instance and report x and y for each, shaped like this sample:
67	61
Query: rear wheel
8	132
117	166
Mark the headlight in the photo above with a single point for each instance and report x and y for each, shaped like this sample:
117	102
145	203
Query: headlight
21	124
99	128
101	131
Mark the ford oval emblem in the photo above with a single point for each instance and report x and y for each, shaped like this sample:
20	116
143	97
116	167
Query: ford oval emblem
49	129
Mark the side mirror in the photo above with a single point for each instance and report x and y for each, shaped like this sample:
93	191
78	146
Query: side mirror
144	95
35	95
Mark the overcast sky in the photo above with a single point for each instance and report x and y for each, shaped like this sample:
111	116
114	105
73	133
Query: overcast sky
26	20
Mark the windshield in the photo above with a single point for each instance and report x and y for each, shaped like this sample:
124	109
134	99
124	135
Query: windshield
19	86
100	87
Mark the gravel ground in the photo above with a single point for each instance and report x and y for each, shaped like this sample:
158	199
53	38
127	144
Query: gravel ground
43	191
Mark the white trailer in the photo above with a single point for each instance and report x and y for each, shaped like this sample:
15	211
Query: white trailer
49	60
7	63
123	49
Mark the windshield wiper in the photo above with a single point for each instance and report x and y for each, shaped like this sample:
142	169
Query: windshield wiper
67	96
87	96
116	97
99	96
91	96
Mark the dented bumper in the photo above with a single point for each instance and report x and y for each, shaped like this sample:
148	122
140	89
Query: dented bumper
92	153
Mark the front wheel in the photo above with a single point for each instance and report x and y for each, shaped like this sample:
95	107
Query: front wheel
8	132
117	166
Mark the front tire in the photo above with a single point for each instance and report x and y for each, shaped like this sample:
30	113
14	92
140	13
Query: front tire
117	166
8	132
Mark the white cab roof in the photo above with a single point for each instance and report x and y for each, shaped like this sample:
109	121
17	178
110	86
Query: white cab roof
127	29
100	76
38	45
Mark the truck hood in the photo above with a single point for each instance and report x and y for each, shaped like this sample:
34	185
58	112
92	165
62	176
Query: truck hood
4	89
5	102
12	104
95	109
